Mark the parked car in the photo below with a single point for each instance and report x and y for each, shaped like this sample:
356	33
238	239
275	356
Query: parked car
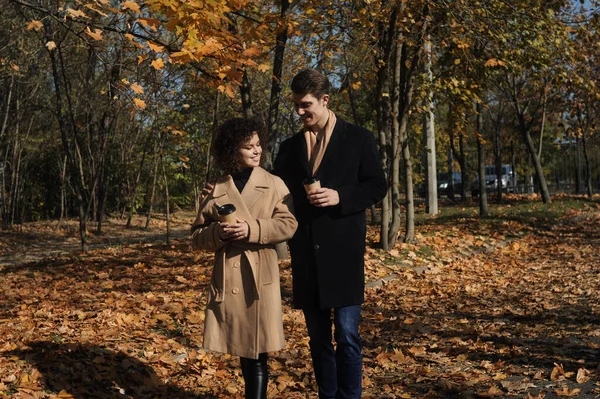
443	182
444	186
508	180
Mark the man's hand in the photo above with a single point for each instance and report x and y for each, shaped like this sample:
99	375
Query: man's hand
322	197
234	231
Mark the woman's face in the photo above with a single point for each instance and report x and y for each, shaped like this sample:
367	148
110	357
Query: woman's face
250	153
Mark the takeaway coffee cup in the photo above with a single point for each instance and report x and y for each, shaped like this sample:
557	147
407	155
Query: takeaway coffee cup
311	183
227	213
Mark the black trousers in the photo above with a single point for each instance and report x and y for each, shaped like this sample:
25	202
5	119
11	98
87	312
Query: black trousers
256	376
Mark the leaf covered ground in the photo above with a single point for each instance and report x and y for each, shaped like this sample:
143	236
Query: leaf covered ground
502	307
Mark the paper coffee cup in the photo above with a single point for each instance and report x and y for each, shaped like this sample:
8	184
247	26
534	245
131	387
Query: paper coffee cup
227	213
311	184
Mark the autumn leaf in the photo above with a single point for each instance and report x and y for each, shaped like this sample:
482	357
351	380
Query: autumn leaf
96	35
492	62
583	376
156	47
51	45
14	66
264	67
558	373
567	392
76	13
130	5
252	52
491	393
137	88
139	103
34	25
158	64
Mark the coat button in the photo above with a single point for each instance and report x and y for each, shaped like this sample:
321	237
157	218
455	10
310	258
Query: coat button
236	265
210	243
317	246
235	290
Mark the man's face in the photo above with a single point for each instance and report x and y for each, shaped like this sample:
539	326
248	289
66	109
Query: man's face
312	111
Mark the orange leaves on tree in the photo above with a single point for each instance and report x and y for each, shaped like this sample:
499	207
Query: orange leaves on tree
156	47
130	5
131	38
137	88
227	89
76	13
139	103
492	62
51	45
158	64
149	23
34	25
96	34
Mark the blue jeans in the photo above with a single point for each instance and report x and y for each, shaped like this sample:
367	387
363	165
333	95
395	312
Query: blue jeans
338	371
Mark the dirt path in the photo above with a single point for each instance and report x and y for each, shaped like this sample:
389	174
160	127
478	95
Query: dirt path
35	242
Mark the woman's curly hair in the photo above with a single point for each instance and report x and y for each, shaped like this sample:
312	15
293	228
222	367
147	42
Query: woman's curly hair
232	135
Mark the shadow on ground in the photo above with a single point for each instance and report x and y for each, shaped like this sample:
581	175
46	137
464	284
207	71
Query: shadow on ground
88	371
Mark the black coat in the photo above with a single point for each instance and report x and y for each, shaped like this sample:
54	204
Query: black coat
329	245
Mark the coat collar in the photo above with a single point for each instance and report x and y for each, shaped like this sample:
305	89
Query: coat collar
256	187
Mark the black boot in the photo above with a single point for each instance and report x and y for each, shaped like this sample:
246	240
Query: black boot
256	376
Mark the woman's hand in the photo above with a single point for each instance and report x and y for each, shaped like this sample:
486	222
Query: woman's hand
234	231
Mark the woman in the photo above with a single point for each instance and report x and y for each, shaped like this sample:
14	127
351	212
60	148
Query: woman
243	315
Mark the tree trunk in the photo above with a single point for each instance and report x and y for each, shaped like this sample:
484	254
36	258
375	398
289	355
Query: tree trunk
64	128
384	119
246	94
276	85
536	161
153	188
167	208
430	150
483	203
398	118
588	167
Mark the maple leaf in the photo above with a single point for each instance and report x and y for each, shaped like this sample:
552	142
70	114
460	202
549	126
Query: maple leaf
50	45
252	52
264	67
96	35
130	5
139	103
158	64
156	47
76	13
137	88
34	25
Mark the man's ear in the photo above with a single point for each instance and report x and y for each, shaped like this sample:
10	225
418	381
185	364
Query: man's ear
325	98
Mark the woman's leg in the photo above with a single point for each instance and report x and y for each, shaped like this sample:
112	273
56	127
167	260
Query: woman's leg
256	376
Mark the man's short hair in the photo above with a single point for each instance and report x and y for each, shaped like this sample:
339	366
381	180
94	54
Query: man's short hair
310	81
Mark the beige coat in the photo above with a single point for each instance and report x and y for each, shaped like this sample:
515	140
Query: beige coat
243	315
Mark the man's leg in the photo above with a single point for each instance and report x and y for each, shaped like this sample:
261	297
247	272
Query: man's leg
348	352
318	323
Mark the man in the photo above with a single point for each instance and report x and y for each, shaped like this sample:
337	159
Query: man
328	247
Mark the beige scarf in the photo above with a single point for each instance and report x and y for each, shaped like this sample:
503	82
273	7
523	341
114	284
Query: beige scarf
316	143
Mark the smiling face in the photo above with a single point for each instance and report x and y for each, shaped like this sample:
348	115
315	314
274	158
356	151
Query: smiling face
250	153
312	110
